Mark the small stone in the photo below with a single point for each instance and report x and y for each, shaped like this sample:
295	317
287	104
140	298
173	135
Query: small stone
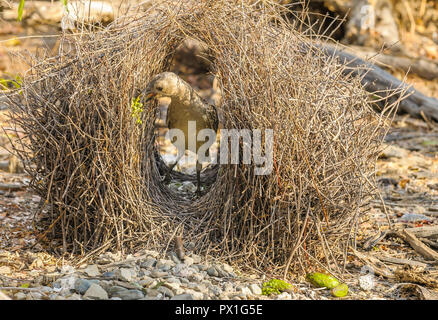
212	272
158	274
35	296
200	287
196	295
82	285
221	273
173	280
74	296
166	291
366	282
53	296
115	290
164	265
184	296
109	275
129	295
227	268
197	277
115	298
105	284
143	272
200	267
255	289
284	296
46	289
96	292
66	269
196	258
215	290
128	285
147	282
174	258
92	270
20	296
172	286
148	263
188	261
228	287
246	290
152	293
126	274
64	284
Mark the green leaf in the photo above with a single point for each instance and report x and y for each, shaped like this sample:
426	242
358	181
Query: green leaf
25	285
20	10
64	2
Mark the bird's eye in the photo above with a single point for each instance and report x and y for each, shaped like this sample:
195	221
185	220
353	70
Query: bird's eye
160	88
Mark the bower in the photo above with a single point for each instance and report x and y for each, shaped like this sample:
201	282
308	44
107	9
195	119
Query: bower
97	171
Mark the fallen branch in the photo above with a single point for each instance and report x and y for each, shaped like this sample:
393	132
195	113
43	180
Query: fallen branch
378	81
416	244
11	186
412	263
373	262
425	68
431	243
424	232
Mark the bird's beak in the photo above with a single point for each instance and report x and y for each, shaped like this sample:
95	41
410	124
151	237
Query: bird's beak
149	96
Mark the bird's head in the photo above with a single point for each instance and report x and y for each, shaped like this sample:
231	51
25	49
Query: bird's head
165	84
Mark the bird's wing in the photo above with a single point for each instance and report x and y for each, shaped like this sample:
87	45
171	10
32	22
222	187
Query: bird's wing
212	116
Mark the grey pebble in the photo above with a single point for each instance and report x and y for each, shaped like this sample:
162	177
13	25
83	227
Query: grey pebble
92	270
166	291
158	274
114	290
148	263
212	272
109	275
184	296
129	294
20	296
126	274
96	292
82	285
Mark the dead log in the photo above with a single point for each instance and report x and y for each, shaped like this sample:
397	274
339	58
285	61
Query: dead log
416	244
424	232
423	67
383	84
412	263
11	186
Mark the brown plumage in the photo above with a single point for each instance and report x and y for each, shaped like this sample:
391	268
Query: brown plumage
186	105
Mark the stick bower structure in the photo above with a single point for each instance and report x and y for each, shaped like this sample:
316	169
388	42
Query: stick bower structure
95	165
